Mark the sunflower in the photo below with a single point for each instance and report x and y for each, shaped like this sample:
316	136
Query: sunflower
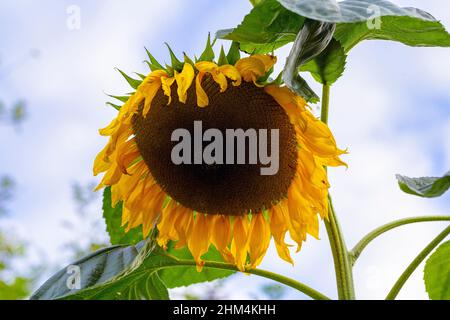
230	206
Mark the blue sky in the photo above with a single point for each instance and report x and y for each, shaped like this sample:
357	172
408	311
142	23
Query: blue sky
391	109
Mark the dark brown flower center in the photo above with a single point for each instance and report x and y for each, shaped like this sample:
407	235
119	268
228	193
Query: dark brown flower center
230	189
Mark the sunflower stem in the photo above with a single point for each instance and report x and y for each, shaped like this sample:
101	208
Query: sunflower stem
341	256
259	272
415	263
361	245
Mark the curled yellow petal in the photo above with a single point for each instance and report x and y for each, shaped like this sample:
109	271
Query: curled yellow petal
184	81
232	73
166	84
254	67
202	97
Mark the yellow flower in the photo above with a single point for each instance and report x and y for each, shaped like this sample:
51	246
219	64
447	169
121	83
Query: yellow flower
230	206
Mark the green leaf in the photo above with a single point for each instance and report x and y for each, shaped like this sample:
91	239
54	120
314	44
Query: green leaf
407	30
329	65
120	273
350	10
437	273
182	276
208	53
187	59
233	54
124	99
95	269
273	24
310	42
222	58
176	64
256	2
153	64
427	187
132	82
115	106
267	27
113	220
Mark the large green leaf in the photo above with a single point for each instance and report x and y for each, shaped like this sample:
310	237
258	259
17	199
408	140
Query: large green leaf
437	273
270	26
267	27
134	272
427	187
113	220
350	10
407	30
329	65
95	269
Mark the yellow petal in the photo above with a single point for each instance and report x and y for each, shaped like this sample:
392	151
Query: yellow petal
214	71
221	232
184	81
250	69
232	73
239	245
166	85
149	87
268	60
199	239
202	97
259	239
278	228
206	66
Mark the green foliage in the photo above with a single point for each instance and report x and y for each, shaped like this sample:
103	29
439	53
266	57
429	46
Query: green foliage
18	289
208	54
256	2
176	63
350	10
272	24
95	269
267	27
132	82
113	220
329	66
437	273
222	58
427	187
153	64
410	31
134	272
233	54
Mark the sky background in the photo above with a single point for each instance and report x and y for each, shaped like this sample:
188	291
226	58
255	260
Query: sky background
391	110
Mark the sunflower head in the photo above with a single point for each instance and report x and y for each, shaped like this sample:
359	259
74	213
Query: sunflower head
229	198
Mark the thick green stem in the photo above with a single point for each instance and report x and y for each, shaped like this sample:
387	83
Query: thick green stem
361	245
262	273
341	257
416	262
